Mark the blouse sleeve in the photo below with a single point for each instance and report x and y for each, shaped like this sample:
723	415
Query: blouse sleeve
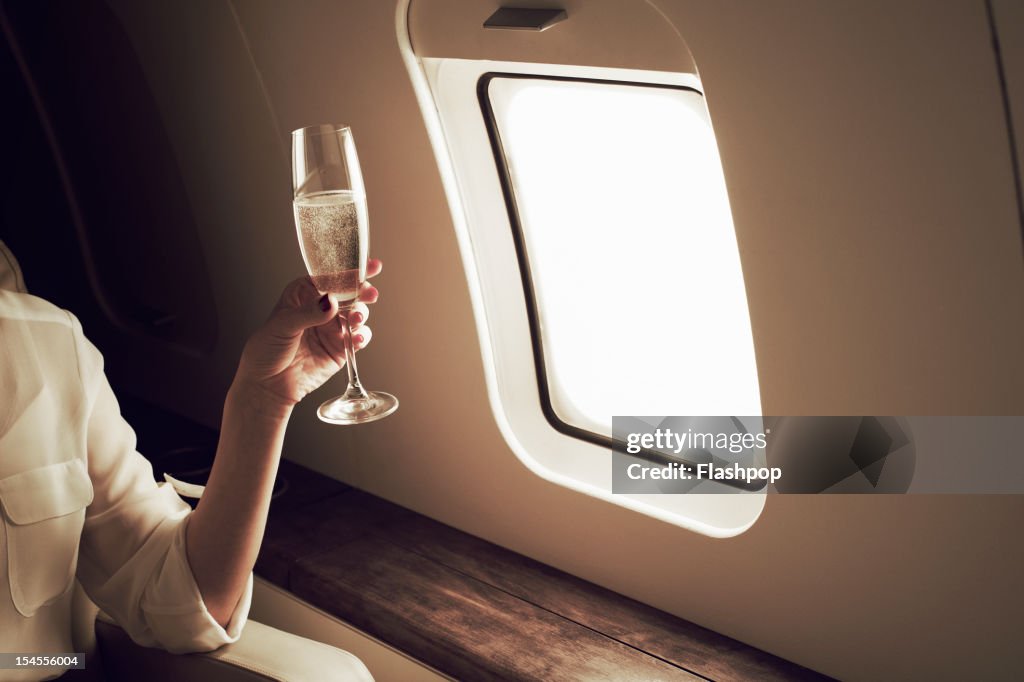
133	561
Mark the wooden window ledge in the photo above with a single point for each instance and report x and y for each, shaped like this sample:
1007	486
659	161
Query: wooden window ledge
472	609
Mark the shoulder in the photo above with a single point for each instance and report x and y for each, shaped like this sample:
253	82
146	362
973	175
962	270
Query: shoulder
18	307
51	334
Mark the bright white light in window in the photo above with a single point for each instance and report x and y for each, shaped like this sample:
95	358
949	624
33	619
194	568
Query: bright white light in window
631	249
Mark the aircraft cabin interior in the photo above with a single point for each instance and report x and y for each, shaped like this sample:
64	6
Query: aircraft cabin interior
793	229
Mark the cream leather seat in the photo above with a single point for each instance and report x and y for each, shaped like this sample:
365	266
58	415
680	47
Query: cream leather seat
262	653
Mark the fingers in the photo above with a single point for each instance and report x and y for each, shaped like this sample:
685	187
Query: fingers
299	292
361	337
358	315
368	293
301	306
332	340
373	267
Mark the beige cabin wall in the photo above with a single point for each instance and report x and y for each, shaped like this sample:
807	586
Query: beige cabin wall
868	168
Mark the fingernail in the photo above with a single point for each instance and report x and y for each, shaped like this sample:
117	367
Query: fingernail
358	338
356	318
325	303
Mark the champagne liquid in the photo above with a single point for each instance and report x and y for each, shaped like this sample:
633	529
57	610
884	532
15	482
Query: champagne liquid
332	229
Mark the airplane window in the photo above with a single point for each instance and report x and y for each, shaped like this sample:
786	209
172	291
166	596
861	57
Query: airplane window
596	235
627	250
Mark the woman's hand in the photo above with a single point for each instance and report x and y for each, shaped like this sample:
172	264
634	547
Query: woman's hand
301	345
295	351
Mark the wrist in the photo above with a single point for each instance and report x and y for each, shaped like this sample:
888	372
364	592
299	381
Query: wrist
257	401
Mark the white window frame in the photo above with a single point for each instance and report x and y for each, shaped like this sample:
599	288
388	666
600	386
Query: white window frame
447	93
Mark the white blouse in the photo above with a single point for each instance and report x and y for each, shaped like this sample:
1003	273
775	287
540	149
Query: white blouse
77	499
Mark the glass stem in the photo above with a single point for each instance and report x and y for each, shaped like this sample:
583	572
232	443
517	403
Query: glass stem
355	388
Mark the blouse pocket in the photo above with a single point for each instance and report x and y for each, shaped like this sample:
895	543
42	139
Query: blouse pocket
43	513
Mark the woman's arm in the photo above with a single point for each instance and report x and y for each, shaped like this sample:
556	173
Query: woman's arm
296	351
226	529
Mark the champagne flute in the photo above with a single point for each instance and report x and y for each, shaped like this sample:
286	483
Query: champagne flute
333	229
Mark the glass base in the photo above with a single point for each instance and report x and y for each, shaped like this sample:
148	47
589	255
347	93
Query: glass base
376	405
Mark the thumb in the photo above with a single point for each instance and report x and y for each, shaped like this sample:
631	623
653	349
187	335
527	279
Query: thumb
292	321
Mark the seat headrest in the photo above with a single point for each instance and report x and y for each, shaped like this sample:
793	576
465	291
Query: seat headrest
10	273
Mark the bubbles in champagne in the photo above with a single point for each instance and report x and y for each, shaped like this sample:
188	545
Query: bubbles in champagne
332	229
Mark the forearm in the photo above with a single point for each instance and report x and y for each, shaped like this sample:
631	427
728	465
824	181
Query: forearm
225	531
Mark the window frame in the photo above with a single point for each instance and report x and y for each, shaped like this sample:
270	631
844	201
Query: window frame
526	271
445	88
